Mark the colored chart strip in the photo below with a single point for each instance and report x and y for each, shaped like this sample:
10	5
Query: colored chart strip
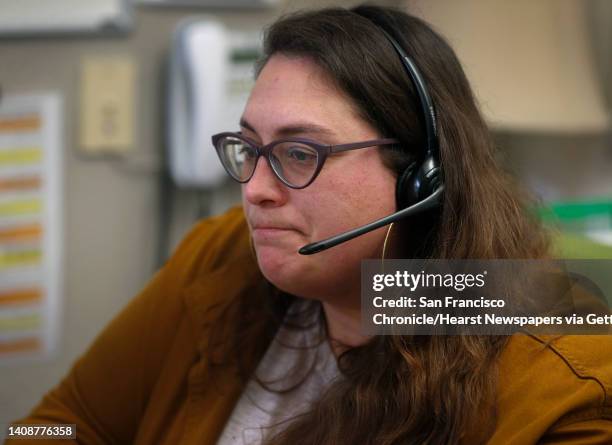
20	296
21	345
20	323
20	184
21	258
21	155
30	232
22	207
24	123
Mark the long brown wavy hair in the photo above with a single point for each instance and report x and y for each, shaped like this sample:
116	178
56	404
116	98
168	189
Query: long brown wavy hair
414	389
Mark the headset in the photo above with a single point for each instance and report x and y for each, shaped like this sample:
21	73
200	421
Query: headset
419	187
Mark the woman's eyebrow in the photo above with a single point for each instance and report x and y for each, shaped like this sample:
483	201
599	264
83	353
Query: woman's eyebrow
295	128
245	124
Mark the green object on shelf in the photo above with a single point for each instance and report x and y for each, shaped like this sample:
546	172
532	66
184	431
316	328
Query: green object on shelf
580	213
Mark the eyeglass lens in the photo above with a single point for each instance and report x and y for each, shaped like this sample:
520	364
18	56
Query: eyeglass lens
294	163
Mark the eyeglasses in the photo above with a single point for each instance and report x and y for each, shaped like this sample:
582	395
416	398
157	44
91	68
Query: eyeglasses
295	161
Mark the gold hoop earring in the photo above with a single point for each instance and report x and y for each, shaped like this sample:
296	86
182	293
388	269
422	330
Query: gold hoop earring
384	249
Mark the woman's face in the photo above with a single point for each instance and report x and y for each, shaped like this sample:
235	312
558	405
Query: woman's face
294	97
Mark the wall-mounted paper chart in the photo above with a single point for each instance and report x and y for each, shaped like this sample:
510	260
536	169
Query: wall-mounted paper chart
30	225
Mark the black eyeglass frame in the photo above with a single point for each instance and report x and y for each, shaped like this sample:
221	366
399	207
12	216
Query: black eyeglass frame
265	150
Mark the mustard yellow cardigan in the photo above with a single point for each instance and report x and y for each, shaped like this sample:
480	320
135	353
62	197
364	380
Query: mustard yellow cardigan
144	380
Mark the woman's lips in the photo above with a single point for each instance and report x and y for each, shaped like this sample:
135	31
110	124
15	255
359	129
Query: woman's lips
265	233
272	229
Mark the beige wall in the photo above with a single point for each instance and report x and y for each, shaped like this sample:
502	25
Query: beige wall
542	73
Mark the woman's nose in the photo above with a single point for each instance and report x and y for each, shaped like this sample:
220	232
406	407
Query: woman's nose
264	188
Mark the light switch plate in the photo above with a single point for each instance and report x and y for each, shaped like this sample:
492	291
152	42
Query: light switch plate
107	104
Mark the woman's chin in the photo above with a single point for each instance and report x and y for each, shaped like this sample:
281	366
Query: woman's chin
285	270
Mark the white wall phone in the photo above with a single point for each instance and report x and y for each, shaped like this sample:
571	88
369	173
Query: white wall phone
211	73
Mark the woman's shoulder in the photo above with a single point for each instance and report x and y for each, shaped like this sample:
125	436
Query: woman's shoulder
575	357
554	385
214	263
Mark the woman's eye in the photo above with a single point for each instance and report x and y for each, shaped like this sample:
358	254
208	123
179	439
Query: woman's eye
246	151
299	154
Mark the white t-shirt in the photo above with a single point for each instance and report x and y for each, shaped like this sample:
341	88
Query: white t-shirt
294	356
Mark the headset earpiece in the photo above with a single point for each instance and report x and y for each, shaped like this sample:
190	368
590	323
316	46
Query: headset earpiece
418	182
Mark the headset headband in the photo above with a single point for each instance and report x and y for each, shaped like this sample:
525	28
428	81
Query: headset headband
428	110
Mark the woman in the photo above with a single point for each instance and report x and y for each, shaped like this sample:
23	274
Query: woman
231	342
